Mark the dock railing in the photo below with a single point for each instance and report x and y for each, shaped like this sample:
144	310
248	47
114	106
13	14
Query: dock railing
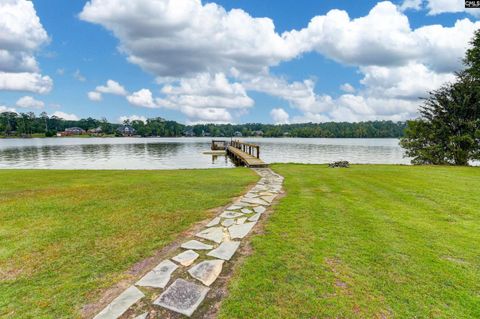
219	145
251	149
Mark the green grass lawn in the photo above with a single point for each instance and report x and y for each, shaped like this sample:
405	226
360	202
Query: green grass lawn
366	242
67	235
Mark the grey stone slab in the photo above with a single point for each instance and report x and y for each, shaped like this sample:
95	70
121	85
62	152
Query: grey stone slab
228	222
250	195
159	276
242	204
258	201
213	233
226	250
268	199
246	211
214	222
240	231
142	316
228	214
186	258
207	271
234	207
255	217
196	245
183	297
260	209
121	304
250	205
241	220
266	194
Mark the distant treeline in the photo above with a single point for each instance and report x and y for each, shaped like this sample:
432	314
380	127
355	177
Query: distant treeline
27	124
330	129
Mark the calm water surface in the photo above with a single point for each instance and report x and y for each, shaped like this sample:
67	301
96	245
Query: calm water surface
174	153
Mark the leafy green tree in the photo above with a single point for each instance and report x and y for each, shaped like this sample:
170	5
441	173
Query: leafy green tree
106	127
448	130
44	117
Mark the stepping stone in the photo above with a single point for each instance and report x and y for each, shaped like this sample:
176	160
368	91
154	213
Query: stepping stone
228	222
214	234
121	304
255	217
258	201
250	195
240	231
214	222
142	316
228	214
183	297
249	205
186	258
195	244
241	220
226	250
234	207
266	194
159	276
260	209
246	211
242	204
207	271
268	198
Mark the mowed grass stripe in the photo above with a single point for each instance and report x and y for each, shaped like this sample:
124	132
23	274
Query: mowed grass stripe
372	241
67	235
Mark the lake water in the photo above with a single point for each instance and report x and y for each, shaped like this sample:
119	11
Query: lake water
178	153
175	153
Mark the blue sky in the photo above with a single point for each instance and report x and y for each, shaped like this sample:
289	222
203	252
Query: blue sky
216	61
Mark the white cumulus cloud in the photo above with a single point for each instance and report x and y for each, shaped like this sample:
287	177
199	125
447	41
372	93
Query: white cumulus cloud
24	81
207	115
208	59
185	37
443	6
347	87
299	94
279	116
112	87
205	96
94	96
411	4
29	102
435	7
21	36
143	98
66	116
4	108
131	118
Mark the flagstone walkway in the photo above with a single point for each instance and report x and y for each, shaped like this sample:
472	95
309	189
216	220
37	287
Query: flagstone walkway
181	283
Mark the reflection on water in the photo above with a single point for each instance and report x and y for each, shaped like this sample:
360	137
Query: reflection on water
173	153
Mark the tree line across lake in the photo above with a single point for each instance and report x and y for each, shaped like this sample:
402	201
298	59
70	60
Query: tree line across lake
28	124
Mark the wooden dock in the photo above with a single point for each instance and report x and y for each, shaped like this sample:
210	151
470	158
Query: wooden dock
245	153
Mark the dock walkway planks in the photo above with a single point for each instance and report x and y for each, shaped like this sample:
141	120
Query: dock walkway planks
247	159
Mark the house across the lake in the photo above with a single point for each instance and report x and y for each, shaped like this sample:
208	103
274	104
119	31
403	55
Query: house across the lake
126	130
95	131
72	131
